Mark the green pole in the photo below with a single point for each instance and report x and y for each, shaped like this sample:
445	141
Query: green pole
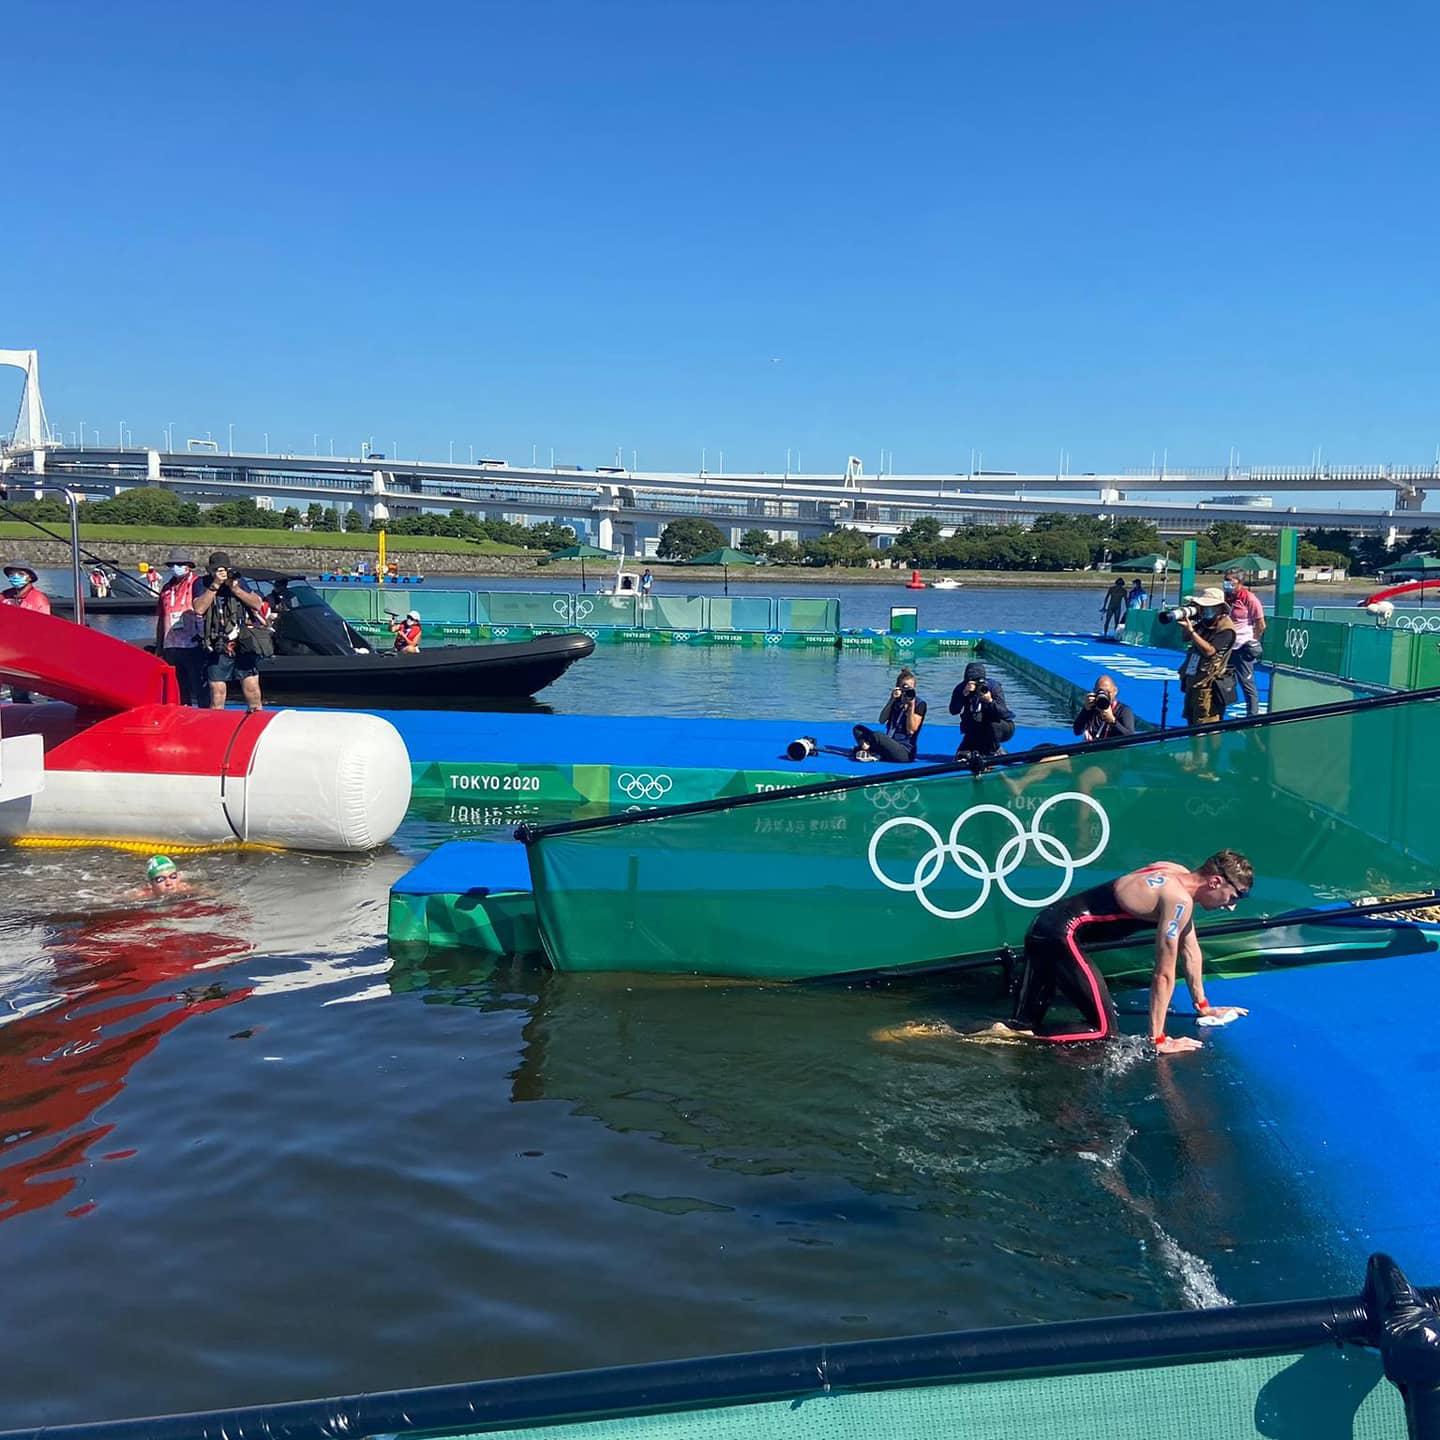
1285	575
1188	553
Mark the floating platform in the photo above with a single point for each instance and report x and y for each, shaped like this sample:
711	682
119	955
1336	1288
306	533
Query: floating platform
1066	667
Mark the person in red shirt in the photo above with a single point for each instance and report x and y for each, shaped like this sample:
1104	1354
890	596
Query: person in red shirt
1247	614
177	630
22	589
407	633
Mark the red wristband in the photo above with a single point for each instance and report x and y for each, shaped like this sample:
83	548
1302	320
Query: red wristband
1202	1006
1159	1039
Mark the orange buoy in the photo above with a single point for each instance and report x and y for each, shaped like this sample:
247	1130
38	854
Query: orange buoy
916	583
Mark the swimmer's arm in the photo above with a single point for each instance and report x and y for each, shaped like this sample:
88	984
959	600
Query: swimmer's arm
1172	915
1194	963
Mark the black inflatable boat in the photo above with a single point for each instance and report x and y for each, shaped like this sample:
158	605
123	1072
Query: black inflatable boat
320	659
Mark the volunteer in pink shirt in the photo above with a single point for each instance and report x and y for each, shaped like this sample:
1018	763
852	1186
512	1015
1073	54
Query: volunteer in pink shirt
1248	617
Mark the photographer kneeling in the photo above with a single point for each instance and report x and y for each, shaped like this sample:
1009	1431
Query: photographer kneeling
1205	675
232	633
986	721
1104	714
902	716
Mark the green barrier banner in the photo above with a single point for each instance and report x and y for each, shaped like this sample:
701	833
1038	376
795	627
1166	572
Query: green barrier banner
526	607
957	866
1425	663
1379	657
807	615
607	611
1308	645
354	603
674	612
740	612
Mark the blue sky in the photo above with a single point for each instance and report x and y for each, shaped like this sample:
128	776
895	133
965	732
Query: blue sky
1116	230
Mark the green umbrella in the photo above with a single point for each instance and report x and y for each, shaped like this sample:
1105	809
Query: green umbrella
582	553
1412	567
1251	564
1151	564
727	557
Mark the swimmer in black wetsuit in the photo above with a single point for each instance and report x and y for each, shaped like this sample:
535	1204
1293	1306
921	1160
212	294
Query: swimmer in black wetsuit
1163	895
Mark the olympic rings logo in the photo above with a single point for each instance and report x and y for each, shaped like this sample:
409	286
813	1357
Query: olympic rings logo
886	797
1418	623
561	608
643	786
972	863
1297	642
583	609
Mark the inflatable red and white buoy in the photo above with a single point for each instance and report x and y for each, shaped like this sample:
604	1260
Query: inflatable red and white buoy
916	583
124	762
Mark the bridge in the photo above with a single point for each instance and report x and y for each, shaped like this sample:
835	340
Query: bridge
621	507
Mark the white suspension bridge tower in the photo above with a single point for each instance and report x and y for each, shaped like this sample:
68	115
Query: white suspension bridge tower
31	430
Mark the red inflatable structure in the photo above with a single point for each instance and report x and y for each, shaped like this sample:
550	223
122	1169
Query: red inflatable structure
124	761
1408	587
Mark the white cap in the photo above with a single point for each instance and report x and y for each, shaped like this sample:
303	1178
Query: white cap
412	614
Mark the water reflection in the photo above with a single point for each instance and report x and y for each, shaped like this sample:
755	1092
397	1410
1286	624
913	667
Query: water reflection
120	983
90	993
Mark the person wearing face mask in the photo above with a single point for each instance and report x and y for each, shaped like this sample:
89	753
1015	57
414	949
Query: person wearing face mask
178	630
22	588
1205	669
1248	616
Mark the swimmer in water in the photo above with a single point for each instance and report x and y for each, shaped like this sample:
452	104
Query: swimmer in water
162	877
1164	895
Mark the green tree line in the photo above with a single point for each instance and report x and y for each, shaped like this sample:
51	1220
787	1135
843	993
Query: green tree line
154	506
1054	542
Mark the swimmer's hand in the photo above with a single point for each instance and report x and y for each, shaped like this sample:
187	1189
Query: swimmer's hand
1177	1045
1222	1014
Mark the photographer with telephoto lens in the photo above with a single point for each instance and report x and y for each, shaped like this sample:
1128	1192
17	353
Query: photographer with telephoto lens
1104	715
902	715
1206	679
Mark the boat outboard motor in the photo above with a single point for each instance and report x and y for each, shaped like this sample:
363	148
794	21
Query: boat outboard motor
308	626
1408	1335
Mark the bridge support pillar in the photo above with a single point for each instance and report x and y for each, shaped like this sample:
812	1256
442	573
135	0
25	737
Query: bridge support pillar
605	529
1413	499
152	464
37	461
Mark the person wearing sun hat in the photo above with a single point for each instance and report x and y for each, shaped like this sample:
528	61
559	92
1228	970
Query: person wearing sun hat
407	633
1211	637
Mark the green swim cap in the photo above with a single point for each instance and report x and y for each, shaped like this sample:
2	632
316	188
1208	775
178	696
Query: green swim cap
159	865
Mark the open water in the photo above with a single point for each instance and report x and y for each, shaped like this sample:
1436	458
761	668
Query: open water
245	1156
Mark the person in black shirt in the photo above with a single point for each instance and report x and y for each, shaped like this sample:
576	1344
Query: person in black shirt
986	721
1104	715
902	715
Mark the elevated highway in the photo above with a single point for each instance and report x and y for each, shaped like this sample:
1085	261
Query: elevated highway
621	505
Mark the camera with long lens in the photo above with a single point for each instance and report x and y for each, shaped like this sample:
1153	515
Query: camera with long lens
1178	612
802	748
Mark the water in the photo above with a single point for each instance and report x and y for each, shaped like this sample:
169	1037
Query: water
794	684
245	1156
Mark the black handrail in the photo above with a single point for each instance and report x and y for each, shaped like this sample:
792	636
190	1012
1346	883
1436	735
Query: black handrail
528	834
1131	1341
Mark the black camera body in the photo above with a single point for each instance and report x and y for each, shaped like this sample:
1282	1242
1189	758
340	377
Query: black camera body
1178	612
